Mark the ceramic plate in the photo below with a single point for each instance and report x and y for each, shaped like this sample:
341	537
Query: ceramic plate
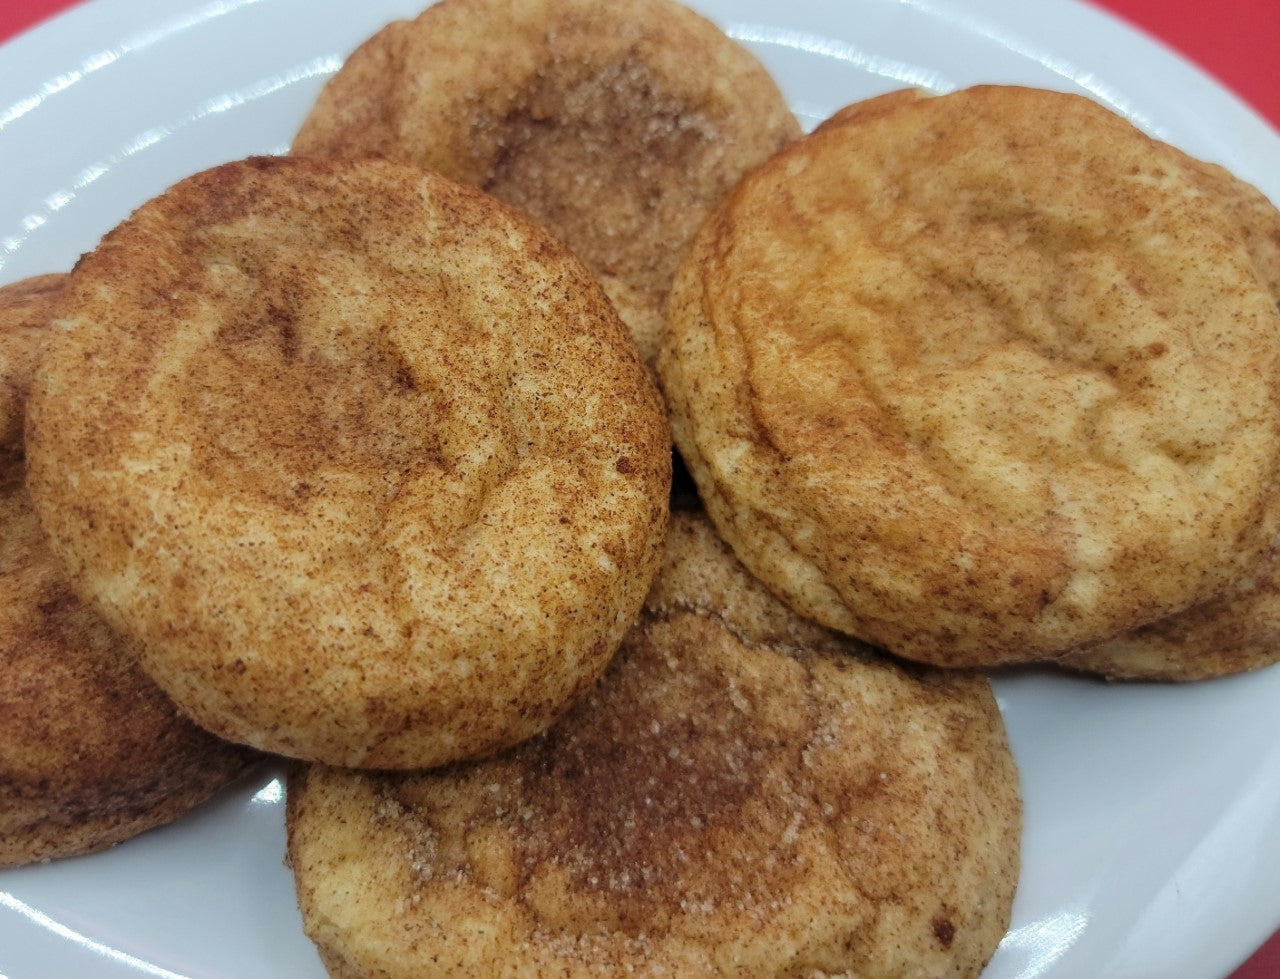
1149	847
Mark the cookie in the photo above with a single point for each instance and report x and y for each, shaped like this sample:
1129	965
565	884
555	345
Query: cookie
616	125
362	459
978	378
743	794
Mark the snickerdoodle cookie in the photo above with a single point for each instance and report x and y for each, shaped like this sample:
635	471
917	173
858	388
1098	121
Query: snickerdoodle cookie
743	794
617	125
91	752
362	459
979	378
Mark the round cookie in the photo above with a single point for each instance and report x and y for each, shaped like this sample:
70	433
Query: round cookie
91	752
980	392
743	794
361	458
588	116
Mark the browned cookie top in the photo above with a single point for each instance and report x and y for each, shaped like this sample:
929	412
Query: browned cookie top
362	459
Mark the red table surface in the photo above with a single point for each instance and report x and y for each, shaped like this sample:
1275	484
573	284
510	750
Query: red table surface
1236	41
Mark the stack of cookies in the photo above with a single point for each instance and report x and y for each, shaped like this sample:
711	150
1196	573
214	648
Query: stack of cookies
363	457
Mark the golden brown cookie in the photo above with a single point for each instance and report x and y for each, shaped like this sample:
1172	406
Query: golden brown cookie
362	459
616	125
743	794
91	752
979	378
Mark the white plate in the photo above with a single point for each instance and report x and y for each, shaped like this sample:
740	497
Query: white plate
1149	847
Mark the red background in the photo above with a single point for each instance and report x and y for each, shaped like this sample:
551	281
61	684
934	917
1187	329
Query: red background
1236	41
